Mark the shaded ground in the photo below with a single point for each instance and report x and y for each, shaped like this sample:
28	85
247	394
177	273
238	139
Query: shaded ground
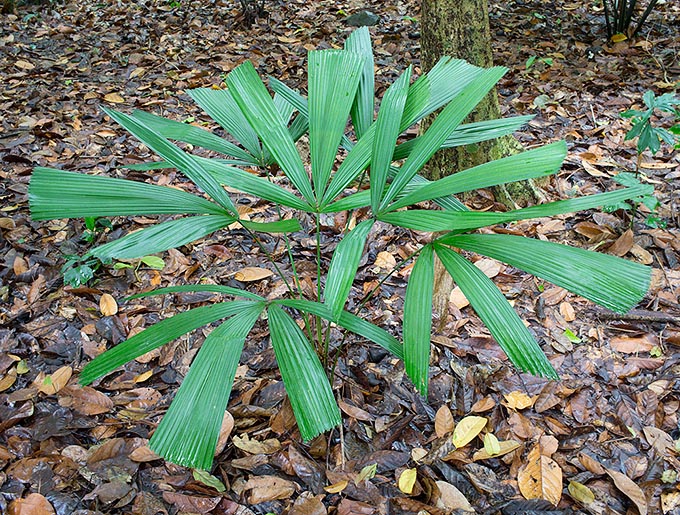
611	423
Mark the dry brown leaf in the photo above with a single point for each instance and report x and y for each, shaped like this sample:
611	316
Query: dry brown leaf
336	488
24	65
450	498
659	439
8	379
642	255
143	454
191	503
443	421
108	305
567	312
52	383
670	501
355	412
385	261
256	447
85	400
630	489
519	400
225	432
467	429
482	405
308	504
114	98
252	273
32	504
628	345
505	446
19	266
623	244
268	488
553	296
540	478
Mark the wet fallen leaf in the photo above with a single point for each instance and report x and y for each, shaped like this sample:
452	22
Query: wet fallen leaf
628	487
251	273
467	429
205	477
256	447
407	480
540	478
108	305
336	488
443	421
32	504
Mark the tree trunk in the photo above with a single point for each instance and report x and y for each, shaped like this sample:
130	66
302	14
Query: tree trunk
8	7
460	29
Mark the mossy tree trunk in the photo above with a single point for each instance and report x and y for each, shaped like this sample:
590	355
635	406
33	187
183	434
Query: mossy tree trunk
8	7
460	29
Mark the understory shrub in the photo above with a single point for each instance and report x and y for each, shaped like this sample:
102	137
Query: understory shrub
266	129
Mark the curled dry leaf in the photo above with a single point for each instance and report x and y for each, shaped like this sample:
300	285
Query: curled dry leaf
252	273
630	489
336	488
467	429
108	305
256	447
505	446
519	400
385	261
540	478
443	421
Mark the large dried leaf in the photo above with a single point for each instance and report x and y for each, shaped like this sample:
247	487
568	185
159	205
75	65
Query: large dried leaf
540	478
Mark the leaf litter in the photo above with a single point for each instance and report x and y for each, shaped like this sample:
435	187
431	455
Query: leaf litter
604	439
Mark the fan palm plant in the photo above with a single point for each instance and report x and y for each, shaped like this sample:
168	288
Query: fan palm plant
341	87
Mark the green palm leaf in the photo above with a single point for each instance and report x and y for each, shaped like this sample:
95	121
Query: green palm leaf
253	99
333	80
303	375
433	221
184	162
418	319
157	335
497	314
215	288
613	282
221	106
203	396
161	237
534	163
280	226
58	194
343	267
359	42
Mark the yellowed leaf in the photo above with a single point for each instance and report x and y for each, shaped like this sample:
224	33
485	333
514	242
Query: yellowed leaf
256	447
24	65
540	478
617	38
336	488
108	305
54	382
407	480
143	376
491	444
32	504
505	446
418	453
114	98
385	260
467	429
670	501
137	72
443	421
630	489
8	380
519	400
451	499
580	492
251	273
368	472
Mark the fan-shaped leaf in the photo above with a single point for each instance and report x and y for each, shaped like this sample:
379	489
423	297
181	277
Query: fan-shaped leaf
359	42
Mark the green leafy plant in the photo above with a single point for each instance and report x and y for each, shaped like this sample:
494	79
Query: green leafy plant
650	136
340	86
632	206
619	14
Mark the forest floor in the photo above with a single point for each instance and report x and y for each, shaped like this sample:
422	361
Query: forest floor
603	439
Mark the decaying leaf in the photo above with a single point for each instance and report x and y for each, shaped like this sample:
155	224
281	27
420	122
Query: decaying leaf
268	488
540	478
108	305
85	400
256	447
52	383
252	273
628	487
519	400
450	498
205	477
467	429
505	446
32	504
443	421
336	488
580	492
407	480
368	472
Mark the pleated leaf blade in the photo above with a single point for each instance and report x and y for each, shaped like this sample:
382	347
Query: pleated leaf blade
59	194
418	319
610	281
203	396
192	288
303	375
359	42
343	268
495	311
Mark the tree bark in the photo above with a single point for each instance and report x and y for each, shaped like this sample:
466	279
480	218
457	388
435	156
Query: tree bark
460	29
8	7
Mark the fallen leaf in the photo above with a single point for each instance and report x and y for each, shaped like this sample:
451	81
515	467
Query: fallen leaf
467	429
107	305
491	444
268	488
622	245
205	477
407	480
52	383
580	492
368	472
385	261
519	400
114	98
256	447
443	421
191	503
630	489
85	400
32	504
251	273
540	478
24	65
143	454
450	498
505	446
628	345
336	488
658	438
